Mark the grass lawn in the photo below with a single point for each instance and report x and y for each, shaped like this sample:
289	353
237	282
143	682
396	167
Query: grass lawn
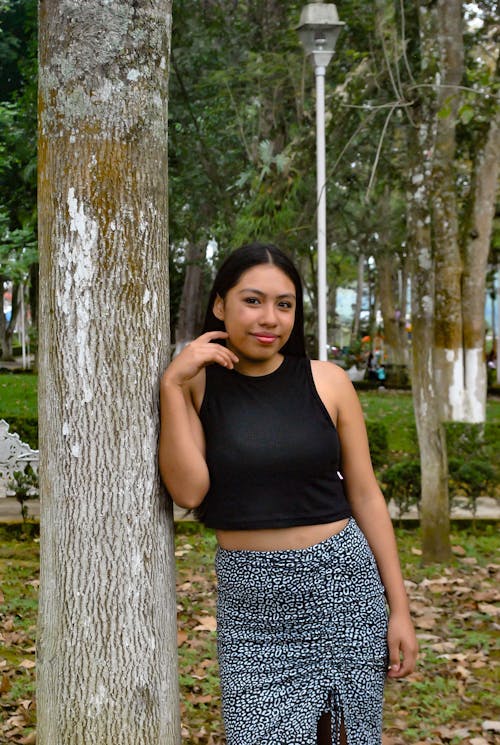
446	700
18	395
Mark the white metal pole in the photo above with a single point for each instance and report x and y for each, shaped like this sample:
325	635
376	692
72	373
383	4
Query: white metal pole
321	208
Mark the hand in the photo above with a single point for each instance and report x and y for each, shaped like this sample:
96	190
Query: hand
403	645
198	354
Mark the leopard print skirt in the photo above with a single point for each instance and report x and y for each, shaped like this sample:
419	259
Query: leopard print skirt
300	633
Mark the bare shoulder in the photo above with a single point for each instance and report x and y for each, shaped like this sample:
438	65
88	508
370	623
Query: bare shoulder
333	387
329	368
328	373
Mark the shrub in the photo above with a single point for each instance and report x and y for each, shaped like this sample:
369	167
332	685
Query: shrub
402	484
471	478
24	486
26	428
377	437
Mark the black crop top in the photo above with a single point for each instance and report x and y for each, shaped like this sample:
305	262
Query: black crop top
272	450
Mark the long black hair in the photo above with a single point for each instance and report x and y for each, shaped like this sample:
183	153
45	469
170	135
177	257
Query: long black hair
246	257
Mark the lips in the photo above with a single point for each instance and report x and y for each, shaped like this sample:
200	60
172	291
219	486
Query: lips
265	338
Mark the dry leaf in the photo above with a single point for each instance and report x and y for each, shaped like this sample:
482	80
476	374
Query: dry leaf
29	739
426	622
458	550
444	732
486	596
491	726
27	664
181	637
207	623
490	610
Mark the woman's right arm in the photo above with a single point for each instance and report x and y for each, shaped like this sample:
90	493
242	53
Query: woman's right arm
182	444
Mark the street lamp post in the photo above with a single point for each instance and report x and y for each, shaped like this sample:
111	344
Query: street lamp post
318	29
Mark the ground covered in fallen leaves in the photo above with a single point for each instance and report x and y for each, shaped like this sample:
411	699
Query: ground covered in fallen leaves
451	698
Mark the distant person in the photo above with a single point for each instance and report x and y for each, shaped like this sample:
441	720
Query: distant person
371	367
271	449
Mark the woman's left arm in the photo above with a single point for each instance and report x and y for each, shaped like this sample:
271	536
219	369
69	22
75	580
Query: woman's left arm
370	511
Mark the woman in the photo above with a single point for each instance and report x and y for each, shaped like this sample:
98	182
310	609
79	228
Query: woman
271	450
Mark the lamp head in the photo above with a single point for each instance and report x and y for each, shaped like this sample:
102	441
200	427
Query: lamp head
318	28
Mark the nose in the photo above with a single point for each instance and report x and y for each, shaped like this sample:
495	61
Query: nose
268	315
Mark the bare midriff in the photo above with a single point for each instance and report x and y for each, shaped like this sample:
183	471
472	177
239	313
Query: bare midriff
278	539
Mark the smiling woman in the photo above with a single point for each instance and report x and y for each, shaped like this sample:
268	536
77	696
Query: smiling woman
270	449
258	321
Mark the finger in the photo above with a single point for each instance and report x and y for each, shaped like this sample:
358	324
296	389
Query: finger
208	335
406	665
394	659
227	353
225	358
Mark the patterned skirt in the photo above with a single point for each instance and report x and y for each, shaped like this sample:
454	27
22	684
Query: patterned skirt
300	633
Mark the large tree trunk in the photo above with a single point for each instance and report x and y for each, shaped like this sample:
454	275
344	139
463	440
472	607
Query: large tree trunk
393	307
33	302
7	327
434	509
448	329
106	649
477	236
434	505
190	309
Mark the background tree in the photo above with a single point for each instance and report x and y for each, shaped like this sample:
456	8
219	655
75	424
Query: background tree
18	85
107	651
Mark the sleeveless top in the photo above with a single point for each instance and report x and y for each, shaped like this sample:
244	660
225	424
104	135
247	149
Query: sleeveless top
272	450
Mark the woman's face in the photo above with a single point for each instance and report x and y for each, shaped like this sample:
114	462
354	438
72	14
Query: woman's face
258	313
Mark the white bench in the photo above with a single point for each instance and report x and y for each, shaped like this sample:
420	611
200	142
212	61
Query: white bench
15	455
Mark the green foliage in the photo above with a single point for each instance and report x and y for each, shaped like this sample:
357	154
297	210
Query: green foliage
24	486
18	116
472	460
471	478
477	441
379	446
26	428
402	484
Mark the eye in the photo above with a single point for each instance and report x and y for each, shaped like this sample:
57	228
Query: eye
286	304
252	300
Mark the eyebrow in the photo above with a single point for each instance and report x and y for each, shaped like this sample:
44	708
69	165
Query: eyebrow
263	294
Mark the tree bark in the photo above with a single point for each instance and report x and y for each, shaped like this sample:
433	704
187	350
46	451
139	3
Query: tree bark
190	309
7	327
448	328
393	308
477	236
106	649
434	505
